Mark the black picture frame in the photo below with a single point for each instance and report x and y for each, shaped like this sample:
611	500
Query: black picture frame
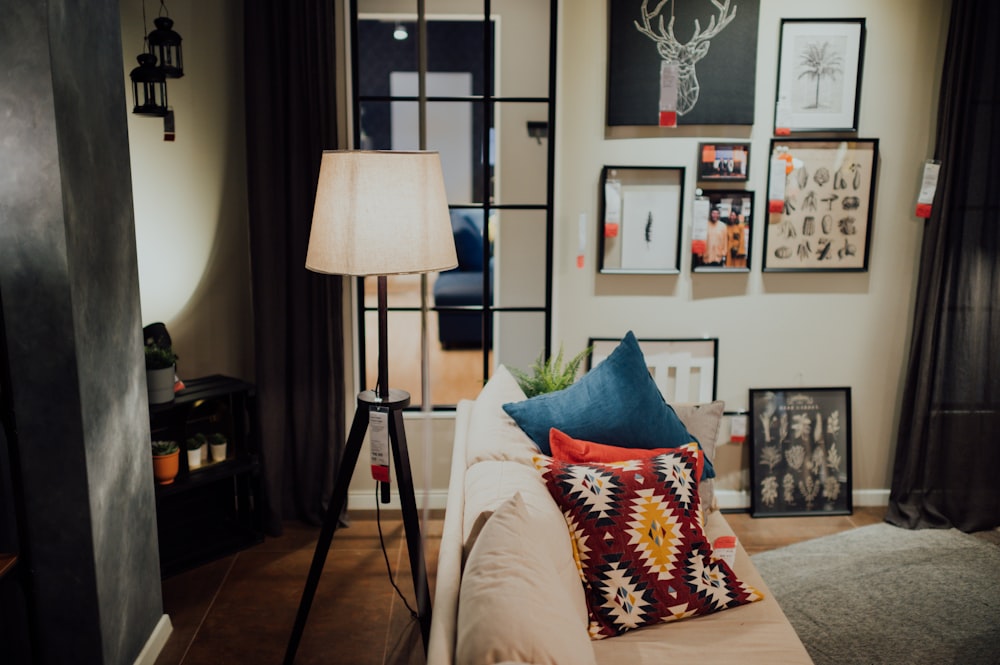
797	468
676	365
736	210
723	162
639	229
825	201
812	52
722	68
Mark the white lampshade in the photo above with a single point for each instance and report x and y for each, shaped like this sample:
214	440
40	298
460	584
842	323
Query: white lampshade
380	213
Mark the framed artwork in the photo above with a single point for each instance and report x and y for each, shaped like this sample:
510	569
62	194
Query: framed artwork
723	162
685	370
800	455
640	224
826	197
713	44
720	231
819	75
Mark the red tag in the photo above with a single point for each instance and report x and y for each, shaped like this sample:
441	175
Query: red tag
776	206
924	210
698	247
579	261
782	131
380	473
668	118
610	230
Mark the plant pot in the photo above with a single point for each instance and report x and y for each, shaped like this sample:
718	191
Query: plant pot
165	467
218	452
194	458
160	383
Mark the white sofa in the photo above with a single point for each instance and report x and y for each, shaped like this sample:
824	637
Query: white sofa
523	601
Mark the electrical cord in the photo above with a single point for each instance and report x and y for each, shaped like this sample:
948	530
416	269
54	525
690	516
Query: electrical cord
385	555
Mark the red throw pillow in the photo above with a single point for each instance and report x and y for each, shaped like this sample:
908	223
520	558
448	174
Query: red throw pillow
638	541
567	449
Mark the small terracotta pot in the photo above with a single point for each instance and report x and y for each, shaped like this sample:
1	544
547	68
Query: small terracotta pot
165	467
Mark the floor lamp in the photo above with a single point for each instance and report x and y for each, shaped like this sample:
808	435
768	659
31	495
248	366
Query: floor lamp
377	213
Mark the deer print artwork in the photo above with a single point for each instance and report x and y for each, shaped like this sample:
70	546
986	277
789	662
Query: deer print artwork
705	49
685	55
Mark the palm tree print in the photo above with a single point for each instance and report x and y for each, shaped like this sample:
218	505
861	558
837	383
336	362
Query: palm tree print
817	62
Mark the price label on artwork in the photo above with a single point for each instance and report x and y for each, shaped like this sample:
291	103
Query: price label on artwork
378	427
928	186
669	77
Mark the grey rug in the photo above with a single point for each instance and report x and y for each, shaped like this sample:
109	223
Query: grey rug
881	594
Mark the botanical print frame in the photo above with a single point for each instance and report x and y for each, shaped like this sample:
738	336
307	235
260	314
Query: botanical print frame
819	75
685	370
640	224
800	454
828	196
735	215
714	45
727	162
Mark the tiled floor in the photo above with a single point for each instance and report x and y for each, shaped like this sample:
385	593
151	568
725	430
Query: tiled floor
240	609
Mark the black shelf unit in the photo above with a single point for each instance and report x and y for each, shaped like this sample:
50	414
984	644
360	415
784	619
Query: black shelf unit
213	510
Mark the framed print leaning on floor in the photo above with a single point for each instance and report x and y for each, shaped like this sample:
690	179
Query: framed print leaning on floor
824	201
800	451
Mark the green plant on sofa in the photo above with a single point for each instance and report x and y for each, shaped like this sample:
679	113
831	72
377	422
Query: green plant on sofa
549	376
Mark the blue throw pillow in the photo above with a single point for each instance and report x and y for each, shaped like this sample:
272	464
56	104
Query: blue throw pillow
467	228
616	403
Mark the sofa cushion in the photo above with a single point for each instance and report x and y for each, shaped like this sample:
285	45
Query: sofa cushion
488	484
577	451
492	433
638	538
616	403
510	609
703	421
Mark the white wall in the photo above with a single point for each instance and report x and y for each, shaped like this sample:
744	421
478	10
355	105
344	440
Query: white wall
775	330
190	195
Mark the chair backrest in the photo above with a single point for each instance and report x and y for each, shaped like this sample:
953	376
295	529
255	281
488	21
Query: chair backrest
680	376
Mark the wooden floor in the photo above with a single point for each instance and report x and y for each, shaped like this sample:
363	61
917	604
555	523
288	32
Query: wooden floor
240	609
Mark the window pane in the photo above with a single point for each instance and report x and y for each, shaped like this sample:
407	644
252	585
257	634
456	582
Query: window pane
455	374
523	48
522	161
519	338
519	258
453	45
454	129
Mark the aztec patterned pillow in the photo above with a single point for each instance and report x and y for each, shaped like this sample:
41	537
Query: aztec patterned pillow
638	542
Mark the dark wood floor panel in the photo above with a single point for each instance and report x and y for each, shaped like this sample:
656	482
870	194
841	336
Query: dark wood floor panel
240	609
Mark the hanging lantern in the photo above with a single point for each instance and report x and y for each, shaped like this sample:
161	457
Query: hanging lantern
165	44
149	87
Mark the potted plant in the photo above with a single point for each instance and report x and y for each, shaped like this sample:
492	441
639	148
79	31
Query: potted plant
218	443
161	364
194	452
165	461
546	377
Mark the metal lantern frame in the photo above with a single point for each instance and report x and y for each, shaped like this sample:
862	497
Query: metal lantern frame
149	87
165	44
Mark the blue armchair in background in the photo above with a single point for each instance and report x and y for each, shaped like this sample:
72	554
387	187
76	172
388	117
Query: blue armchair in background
463	286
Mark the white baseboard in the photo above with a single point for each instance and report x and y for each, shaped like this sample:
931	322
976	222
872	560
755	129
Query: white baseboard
740	499
157	640
432	500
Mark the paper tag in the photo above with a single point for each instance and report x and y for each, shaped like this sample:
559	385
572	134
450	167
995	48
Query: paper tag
725	549
783	117
738	429
168	126
582	240
776	185
699	224
928	187
669	76
378	425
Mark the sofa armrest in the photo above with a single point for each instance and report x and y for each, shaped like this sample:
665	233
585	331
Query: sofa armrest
441	649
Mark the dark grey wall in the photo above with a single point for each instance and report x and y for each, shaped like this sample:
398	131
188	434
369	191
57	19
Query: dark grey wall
69	286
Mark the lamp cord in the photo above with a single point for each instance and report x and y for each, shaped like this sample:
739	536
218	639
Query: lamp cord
385	555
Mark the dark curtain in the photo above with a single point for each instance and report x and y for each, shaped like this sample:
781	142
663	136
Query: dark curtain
948	452
291	118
